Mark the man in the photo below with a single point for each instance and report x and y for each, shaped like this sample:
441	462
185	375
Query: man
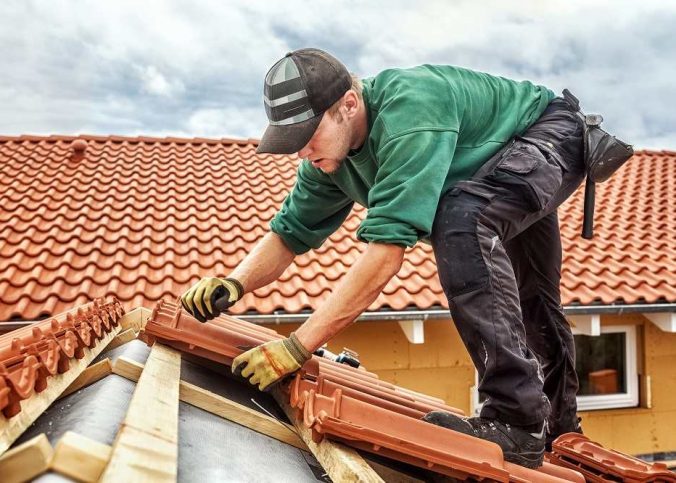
474	163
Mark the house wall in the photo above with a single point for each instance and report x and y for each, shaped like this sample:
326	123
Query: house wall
441	367
642	430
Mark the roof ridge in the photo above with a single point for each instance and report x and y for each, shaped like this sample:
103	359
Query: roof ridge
134	139
669	152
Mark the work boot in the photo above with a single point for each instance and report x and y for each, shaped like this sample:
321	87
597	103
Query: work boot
518	445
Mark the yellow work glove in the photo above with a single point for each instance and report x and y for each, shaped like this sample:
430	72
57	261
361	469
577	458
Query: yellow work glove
200	299
271	361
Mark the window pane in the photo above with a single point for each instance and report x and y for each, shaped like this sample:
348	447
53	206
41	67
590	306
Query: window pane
600	363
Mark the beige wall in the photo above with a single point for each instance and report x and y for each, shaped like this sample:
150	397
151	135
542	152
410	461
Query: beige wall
441	367
642	430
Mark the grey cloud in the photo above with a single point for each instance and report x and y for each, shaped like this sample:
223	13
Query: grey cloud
196	68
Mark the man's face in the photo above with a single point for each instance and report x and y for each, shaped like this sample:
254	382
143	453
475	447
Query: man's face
330	143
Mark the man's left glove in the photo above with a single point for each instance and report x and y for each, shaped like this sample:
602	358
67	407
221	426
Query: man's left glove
271	361
200	299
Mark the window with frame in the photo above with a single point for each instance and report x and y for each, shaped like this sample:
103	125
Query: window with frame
607	370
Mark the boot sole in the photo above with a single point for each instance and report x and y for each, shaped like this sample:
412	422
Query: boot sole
529	460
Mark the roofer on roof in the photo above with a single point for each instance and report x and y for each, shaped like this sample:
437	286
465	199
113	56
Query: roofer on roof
473	163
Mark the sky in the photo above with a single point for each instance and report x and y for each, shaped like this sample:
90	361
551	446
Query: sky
196	68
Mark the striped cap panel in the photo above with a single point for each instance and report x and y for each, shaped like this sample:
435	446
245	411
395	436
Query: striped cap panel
286	100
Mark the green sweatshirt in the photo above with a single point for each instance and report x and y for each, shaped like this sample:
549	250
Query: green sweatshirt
429	127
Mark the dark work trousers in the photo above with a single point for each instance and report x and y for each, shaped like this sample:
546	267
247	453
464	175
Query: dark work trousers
498	249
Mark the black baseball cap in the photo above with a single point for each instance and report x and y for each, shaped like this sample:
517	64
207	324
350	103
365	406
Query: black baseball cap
298	89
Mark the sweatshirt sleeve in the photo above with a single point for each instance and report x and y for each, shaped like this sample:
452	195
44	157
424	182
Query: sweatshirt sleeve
403	201
312	211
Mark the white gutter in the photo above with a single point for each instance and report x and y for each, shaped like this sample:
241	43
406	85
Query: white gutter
284	318
389	315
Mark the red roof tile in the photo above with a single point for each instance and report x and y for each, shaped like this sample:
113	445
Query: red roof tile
144	218
596	463
31	355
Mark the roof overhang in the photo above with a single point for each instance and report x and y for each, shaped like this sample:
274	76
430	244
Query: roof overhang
585	318
282	317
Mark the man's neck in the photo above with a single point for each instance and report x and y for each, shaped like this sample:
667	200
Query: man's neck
361	128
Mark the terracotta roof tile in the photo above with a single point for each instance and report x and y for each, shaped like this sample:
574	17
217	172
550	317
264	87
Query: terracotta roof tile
144	218
596	463
32	354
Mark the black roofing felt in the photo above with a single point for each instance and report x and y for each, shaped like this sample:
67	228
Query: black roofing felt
95	411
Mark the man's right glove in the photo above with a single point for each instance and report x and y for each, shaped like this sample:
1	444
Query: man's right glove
269	362
200	299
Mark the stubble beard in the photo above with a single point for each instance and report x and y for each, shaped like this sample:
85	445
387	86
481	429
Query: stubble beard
344	139
339	163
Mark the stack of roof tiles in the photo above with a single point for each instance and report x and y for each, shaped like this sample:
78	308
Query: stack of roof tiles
144	218
353	405
31	355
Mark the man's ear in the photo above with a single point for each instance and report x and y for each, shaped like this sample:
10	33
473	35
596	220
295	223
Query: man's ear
350	103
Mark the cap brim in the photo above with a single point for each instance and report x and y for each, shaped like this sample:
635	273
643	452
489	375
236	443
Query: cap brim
288	139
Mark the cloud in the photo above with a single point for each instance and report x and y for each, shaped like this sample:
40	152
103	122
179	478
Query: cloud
196	68
227	122
156	83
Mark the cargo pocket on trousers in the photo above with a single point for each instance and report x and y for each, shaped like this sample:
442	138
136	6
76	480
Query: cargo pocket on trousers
460	263
526	169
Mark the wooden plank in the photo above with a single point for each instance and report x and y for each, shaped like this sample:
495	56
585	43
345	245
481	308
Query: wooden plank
145	448
26	461
645	391
122	338
135	319
220	406
31	408
240	414
93	373
80	458
340	462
